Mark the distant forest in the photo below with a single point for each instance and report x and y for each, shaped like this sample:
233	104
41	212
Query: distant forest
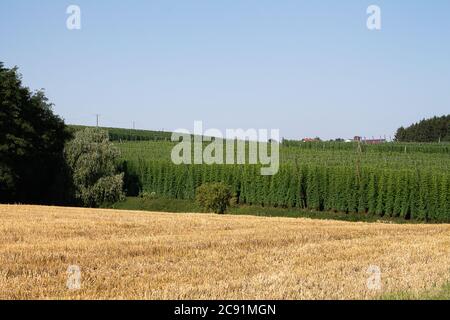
428	130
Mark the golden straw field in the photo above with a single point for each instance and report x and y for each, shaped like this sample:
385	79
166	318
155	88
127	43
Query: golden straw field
143	255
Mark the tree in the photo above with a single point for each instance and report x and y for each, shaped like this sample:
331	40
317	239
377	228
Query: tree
92	159
32	140
214	196
435	129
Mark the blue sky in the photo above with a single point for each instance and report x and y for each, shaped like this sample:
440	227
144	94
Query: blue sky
309	68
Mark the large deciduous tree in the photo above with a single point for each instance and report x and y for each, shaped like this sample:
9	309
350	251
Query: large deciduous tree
32	139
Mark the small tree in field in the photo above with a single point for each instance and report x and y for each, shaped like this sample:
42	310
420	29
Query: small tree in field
92	159
214	197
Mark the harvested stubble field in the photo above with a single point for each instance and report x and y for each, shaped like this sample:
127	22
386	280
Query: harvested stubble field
138	255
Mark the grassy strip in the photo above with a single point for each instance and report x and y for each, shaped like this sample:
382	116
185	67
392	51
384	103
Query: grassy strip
157	204
177	205
298	213
442	293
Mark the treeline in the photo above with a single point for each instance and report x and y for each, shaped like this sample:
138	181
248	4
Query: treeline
436	129
410	194
120	134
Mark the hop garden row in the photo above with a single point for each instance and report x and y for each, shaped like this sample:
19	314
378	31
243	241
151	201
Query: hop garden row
419	194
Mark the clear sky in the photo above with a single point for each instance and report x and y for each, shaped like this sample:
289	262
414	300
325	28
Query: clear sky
310	68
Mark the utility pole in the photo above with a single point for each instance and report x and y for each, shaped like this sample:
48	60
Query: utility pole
134	125
97	116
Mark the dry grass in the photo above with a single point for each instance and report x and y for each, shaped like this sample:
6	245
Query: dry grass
140	255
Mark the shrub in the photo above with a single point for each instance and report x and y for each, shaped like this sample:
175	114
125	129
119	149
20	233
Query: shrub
214	196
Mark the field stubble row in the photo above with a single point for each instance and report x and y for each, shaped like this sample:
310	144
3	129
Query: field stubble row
141	255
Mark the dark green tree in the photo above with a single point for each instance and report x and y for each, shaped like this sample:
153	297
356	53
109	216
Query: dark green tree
428	130
32	140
